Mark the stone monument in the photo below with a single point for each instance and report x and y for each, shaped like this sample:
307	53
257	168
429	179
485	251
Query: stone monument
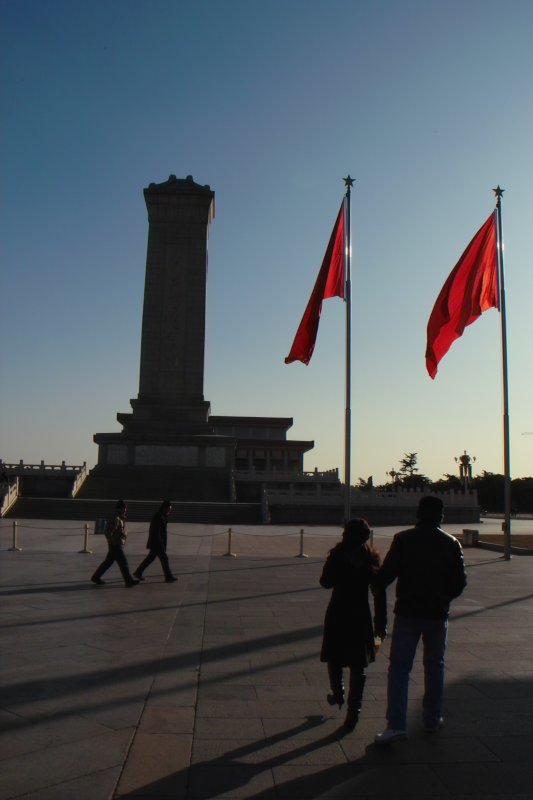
171	381
169	445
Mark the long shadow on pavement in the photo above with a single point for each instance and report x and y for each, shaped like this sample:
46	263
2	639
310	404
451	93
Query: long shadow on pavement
484	750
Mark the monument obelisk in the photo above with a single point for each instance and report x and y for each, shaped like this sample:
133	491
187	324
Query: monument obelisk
167	447
173	330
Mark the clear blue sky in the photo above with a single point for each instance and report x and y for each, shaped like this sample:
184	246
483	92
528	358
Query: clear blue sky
428	104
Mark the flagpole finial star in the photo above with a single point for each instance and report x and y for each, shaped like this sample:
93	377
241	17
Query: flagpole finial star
498	191
349	181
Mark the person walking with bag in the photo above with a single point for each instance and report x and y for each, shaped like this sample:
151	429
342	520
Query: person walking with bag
349	635
157	543
428	563
115	534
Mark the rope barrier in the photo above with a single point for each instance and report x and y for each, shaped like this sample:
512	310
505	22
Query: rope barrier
16	526
40	527
132	529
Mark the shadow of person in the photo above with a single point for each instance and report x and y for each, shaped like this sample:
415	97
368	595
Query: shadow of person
227	774
309	761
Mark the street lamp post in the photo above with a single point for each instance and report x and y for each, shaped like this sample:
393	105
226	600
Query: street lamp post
465	469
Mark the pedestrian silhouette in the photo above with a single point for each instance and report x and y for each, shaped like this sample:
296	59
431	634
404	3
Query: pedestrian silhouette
428	563
349	635
157	543
115	534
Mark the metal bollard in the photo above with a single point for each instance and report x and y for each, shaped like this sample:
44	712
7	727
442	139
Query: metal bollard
301	554
15	543
470	537
85	540
229	553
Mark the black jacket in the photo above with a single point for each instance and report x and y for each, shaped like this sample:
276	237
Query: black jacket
428	563
157	536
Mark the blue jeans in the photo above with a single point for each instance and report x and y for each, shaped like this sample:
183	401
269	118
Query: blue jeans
405	637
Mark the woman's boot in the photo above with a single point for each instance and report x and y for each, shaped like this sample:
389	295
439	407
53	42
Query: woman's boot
355	699
336	698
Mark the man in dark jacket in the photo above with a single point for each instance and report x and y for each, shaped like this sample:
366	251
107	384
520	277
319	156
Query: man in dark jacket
428	563
157	543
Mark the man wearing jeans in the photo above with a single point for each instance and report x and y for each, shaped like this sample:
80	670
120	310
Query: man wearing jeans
428	563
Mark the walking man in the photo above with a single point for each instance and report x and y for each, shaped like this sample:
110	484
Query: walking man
157	543
428	563
115	534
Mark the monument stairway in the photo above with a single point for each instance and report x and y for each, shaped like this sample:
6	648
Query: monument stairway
156	483
88	510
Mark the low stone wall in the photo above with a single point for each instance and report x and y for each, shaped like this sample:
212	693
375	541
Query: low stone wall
333	495
403	515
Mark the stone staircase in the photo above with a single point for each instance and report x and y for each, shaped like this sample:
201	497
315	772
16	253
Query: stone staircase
89	510
157	483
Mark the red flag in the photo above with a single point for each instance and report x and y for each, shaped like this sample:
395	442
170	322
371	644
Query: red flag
329	283
471	288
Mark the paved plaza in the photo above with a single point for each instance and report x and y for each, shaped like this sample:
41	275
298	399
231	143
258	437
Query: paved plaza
212	688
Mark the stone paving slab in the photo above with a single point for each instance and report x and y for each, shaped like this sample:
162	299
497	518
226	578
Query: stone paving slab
44	766
212	687
157	764
21	738
88	787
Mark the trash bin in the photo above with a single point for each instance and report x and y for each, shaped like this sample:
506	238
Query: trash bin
99	525
470	537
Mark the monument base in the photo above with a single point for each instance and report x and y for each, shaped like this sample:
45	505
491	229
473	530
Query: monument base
173	466
180	484
152	416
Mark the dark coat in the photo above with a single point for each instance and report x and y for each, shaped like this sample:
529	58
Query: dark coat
428	563
348	630
157	536
115	531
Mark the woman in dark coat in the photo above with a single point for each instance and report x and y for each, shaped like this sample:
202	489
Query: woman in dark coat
348	631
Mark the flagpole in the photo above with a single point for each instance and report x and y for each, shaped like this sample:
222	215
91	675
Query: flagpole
506	437
348	182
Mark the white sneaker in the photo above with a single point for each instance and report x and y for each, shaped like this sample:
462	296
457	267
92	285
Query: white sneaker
434	728
389	736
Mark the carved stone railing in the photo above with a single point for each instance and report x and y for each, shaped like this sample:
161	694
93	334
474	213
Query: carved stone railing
8	498
328	476
20	468
410	497
321	494
80	478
